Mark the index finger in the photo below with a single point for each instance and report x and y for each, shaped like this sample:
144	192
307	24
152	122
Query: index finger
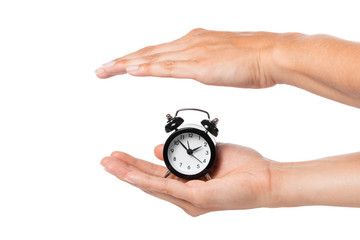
175	45
168	186
149	50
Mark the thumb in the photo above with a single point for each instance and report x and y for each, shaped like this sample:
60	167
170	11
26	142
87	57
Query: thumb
158	151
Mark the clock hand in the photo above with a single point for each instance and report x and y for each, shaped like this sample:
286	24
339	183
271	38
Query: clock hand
196	148
188	145
182	145
196	158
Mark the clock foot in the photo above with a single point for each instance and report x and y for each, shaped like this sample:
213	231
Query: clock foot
207	176
166	174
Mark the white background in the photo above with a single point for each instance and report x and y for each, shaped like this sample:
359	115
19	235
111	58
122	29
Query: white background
58	120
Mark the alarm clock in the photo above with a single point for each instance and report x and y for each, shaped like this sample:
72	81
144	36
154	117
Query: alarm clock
190	151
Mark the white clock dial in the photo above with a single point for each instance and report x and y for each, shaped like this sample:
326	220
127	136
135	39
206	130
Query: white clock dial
189	153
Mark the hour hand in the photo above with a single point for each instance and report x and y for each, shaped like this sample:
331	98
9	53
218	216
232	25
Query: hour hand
196	148
182	144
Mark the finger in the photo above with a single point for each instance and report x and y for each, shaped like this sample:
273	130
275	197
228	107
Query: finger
116	167
150	50
146	181
184	205
120	66
140	165
158	151
168	186
175	45
173	69
100	73
145	166
120	170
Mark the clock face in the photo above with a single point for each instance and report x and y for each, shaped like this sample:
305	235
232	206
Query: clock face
189	153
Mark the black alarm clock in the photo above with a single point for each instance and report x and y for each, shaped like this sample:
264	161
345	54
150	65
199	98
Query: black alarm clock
190	151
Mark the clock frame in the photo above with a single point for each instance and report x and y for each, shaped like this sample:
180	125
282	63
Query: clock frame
204	135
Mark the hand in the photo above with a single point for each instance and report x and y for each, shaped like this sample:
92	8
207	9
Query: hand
238	59
252	60
241	179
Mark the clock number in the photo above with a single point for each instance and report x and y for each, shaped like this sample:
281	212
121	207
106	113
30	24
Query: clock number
176	142
207	153
204	161
174	159
172	150
199	137
205	144
198	166
180	164
191	135
188	167
182	136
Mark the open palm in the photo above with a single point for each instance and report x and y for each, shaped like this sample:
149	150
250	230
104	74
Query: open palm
241	179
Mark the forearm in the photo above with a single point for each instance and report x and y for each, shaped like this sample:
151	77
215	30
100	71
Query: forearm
322	64
332	181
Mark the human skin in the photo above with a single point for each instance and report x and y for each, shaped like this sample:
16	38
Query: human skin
242	178
322	64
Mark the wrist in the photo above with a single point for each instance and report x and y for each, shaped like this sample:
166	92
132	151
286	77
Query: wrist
286	185
282	58
312	182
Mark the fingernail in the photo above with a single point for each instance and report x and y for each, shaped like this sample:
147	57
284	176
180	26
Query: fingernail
109	64
99	70
130	179
132	68
104	161
109	167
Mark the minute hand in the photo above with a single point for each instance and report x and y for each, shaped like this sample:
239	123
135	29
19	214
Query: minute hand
196	158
